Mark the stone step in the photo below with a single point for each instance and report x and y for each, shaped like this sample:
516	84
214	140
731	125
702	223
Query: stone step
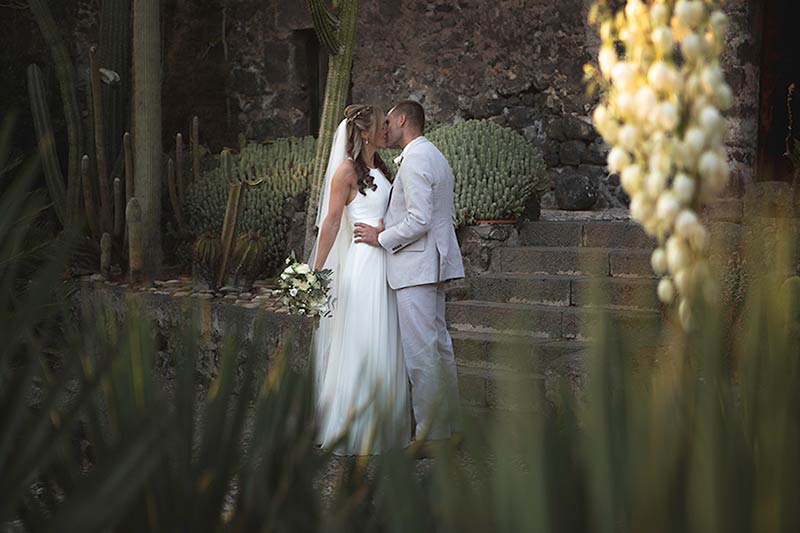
630	293
547	321
520	353
587	233
572	261
499	389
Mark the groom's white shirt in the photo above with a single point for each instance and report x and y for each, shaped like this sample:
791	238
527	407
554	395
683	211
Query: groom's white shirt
420	220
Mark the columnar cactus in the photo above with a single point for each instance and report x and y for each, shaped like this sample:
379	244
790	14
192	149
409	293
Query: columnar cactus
133	219
338	35
231	210
105	255
88	198
496	170
100	143
664	91
147	131
47	145
114	53
67	83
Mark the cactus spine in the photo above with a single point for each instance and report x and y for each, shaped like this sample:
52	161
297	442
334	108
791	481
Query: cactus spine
88	202
231	212
338	35
99	142
147	133
67	82
47	147
133	218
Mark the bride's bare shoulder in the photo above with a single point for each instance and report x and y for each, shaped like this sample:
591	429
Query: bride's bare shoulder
346	172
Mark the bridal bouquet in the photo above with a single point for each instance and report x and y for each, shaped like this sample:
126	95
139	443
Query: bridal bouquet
302	290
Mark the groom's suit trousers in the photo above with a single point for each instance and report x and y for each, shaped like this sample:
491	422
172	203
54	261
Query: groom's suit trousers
430	362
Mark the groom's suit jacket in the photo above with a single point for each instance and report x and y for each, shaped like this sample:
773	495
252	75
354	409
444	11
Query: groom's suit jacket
420	231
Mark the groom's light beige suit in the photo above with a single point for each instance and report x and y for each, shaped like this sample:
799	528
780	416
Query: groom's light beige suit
423	252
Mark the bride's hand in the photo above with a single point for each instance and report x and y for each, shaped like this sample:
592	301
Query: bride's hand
368	234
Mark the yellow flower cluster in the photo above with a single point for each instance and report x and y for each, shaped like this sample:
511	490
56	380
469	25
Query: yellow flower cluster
662	114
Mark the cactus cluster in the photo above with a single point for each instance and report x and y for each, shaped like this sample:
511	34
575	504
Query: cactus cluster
496	170
247	261
272	173
206	256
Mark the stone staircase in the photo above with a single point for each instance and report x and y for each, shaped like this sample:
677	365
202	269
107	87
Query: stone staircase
536	301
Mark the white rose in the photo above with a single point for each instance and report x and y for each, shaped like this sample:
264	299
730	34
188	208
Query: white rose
303	286
293	292
303	269
683	187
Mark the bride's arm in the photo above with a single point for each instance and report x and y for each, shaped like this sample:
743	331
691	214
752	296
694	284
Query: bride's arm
342	185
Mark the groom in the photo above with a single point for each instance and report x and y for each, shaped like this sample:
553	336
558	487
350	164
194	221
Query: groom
419	236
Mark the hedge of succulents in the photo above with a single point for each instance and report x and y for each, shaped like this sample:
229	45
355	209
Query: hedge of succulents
275	172
496	173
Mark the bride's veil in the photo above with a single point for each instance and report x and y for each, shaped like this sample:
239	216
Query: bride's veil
336	258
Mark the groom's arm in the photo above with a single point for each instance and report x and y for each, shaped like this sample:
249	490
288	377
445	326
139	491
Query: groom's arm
418	193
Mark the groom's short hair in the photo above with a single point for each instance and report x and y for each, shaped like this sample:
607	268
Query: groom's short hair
414	112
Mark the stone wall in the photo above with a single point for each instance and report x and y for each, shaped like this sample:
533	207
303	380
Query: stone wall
255	67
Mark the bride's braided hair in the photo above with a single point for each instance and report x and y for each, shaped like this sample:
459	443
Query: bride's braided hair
366	118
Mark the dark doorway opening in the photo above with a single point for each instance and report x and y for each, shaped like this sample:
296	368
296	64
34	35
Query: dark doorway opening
313	68
780	67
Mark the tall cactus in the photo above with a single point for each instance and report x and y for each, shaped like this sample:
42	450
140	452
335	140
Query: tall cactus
114	53
67	83
147	131
47	145
100	142
231	211
337	34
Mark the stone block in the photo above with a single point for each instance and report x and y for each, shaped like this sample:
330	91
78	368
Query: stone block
571	152
575	192
551	233
727	210
578	129
615	292
630	263
616	235
533	289
769	199
558	261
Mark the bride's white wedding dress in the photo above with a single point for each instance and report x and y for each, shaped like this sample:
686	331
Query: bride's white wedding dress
361	380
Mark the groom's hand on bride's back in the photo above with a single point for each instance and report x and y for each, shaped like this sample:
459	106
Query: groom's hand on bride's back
364	233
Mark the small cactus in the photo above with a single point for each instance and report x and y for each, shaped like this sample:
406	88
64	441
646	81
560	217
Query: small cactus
88	201
105	255
206	256
247	260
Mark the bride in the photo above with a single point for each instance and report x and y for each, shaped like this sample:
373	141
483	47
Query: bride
361	383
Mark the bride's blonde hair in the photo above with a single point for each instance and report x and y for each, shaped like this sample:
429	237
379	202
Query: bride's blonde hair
363	118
